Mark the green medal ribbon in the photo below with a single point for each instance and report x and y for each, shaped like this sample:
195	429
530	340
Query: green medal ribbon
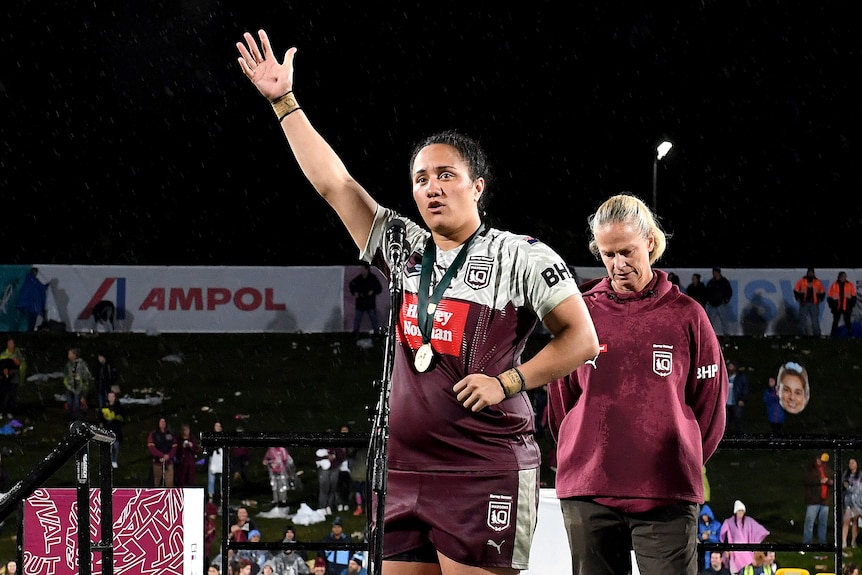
427	306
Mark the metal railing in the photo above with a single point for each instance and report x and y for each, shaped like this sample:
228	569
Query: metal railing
225	440
81	434
837	445
75	445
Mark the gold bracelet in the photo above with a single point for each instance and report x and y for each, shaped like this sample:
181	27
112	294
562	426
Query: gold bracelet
284	105
512	382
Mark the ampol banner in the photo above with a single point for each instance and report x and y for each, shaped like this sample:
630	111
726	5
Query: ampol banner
200	299
155	531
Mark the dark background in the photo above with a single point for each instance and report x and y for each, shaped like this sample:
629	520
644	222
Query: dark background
129	135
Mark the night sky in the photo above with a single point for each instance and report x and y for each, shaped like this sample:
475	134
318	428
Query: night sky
129	135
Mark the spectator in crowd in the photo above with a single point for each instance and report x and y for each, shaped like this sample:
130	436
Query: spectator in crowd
354	566
104	314
460	418
851	479
850	569
289	562
718	295
326	479
818	498
14	370
358	457
365	288
696	290
841	299
756	567
741	528
243	526
674	279
793	387
32	298
770	565
597	481
239	459
774	412
10	568
289	534
715	566
344	482
319	566
106	377
186	458
810	293
112	416
708	529
336	560
215	467
257	557
737	395
210	515
77	379
277	460
162	445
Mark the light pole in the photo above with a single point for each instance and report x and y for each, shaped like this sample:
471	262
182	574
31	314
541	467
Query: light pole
660	152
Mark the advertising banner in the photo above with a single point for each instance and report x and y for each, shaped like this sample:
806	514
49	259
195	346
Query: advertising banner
155	531
763	302
199	299
317	299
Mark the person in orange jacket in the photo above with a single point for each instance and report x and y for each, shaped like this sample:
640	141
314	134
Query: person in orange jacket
810	293
841	299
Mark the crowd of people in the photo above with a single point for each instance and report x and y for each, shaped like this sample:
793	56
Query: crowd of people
462	424
287	561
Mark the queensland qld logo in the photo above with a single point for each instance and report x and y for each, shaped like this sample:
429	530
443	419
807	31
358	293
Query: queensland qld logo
662	362
477	274
499	511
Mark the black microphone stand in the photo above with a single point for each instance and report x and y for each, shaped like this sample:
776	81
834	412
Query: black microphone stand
378	448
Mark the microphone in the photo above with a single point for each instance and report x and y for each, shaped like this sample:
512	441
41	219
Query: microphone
396	242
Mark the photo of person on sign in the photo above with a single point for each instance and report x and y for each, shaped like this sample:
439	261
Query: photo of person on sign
793	389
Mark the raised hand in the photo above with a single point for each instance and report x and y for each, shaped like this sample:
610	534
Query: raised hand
271	78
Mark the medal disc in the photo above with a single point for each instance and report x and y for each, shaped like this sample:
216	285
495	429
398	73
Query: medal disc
423	357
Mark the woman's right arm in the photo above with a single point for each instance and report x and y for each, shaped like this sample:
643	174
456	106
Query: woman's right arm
318	161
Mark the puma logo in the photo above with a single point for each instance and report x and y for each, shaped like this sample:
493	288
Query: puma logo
592	362
497	546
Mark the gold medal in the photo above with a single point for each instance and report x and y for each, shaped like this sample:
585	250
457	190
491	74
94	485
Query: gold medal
423	357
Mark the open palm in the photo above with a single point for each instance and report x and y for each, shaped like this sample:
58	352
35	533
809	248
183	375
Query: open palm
271	78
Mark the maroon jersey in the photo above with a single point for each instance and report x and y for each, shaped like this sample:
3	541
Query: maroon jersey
640	423
480	326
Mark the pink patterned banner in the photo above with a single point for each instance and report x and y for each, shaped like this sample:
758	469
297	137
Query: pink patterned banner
156	531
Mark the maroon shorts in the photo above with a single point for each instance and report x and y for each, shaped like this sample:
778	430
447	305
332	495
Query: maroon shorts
474	518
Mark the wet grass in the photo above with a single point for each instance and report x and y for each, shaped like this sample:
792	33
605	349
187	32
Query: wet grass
303	383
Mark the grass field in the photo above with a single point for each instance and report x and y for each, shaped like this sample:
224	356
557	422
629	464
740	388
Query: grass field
307	383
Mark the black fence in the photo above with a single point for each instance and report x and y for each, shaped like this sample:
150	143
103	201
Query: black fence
81	435
76	445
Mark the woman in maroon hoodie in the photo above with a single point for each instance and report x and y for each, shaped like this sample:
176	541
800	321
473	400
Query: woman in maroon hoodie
635	427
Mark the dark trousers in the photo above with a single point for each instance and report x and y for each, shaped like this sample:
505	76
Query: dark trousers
836	319
734	419
601	539
8	396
